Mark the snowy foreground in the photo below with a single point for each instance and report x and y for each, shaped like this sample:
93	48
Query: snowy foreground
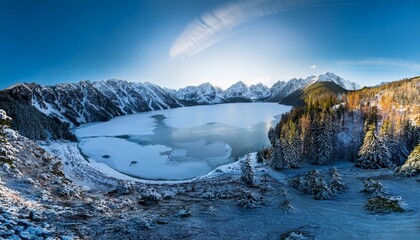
49	191
112	205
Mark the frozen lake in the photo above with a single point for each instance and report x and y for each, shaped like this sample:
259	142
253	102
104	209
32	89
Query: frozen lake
179	143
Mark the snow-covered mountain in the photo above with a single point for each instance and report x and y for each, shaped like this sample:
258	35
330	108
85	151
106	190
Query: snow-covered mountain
331	77
282	89
83	102
202	94
241	92
260	91
209	94
237	92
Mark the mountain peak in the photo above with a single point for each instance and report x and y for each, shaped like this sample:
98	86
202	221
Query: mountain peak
332	77
240	83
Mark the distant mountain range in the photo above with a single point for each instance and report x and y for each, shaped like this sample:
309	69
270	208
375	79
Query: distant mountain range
240	92
72	104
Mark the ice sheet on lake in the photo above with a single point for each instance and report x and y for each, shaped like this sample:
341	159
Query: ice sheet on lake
143	123
182	159
230	114
151	161
136	124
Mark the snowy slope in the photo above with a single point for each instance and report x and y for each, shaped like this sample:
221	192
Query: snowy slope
281	90
83	102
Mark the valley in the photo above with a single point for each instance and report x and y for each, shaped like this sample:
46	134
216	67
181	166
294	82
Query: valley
209	120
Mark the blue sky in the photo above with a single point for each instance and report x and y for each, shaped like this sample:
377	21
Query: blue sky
178	43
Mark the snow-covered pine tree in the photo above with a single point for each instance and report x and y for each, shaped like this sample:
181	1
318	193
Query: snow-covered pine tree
277	159
296	183
305	133
412	166
337	184
321	190
247	172
291	145
322	141
400	152
397	148
374	187
409	134
310	181
373	154
372	118
291	154
387	133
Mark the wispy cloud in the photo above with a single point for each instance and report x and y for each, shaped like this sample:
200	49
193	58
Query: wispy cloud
383	63
226	19
312	66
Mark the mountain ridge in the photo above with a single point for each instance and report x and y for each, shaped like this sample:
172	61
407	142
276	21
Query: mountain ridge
71	104
313	91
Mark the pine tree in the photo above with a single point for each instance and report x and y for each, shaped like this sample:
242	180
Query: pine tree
397	147
291	145
412	166
291	155
277	161
296	183
337	184
322	141
373	154
305	126
372	118
321	190
409	134
310	181
374	187
247	172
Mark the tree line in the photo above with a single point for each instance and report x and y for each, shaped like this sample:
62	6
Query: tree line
374	127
